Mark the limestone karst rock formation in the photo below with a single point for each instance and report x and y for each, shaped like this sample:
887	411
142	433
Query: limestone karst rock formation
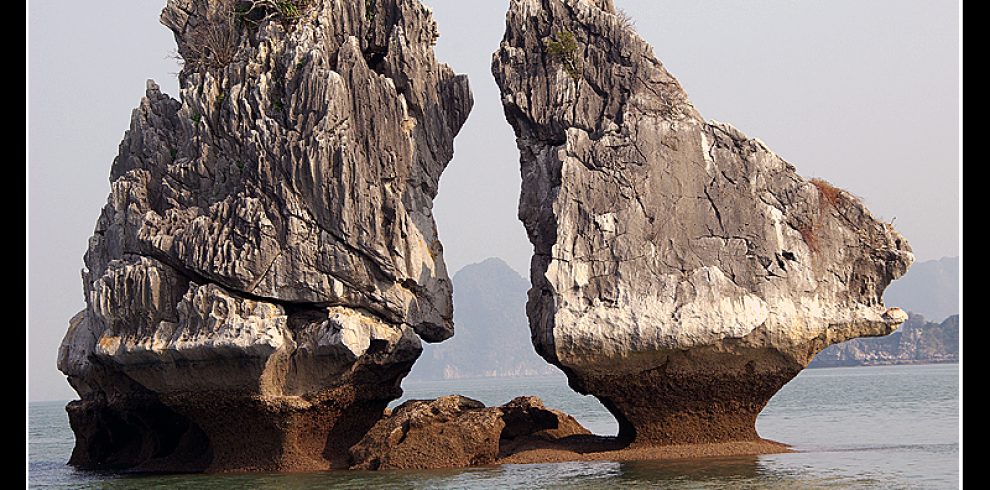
267	261
682	271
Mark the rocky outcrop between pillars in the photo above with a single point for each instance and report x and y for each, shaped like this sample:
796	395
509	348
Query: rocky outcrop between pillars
455	432
682	271
267	262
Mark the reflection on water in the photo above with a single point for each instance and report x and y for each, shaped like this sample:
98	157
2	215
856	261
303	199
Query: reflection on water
752	472
878	427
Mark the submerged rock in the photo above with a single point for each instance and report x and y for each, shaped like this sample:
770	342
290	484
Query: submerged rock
682	272
267	261
456	432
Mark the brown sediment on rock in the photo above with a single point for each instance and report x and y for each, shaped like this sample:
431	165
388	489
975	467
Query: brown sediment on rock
458	432
139	432
682	271
261	435
597	448
281	433
219	432
694	397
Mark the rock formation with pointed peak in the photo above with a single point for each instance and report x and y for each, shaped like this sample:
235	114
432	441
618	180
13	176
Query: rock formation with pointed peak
683	272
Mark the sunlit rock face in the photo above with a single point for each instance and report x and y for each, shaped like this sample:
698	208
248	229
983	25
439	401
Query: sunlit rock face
267	262
682	271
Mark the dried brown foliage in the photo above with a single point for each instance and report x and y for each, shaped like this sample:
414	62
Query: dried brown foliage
625	20
258	11
213	44
831	194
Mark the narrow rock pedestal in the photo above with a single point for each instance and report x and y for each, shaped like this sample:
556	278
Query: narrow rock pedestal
682	271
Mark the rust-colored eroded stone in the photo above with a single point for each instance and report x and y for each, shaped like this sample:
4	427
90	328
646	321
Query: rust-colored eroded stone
140	433
455	431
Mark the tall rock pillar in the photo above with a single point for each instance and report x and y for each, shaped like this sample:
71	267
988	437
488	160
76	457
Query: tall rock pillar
682	271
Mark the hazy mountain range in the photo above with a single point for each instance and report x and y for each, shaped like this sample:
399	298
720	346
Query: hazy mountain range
492	333
929	288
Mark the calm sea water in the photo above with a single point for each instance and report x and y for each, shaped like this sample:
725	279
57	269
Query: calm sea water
865	427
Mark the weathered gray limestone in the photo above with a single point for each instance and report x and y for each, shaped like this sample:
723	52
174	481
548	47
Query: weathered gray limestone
267	262
682	272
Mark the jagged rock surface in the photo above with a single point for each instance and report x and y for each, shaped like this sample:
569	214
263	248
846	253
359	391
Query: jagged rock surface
267	261
456	431
682	272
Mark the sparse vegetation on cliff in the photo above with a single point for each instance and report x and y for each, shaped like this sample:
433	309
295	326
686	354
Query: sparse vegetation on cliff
830	194
625	20
258	11
213	44
563	47
369	11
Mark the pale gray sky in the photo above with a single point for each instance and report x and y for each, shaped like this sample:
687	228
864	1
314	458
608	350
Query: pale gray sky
862	93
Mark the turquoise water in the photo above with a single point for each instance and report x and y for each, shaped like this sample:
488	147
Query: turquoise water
865	427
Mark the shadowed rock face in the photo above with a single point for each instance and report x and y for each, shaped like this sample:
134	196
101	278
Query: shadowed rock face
267	261
683	272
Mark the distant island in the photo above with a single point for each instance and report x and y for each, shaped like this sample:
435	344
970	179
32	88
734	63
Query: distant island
918	341
492	334
930	288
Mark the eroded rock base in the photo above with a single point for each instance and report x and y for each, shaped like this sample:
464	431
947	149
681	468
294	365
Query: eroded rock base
138	433
458	432
218	432
223	433
695	397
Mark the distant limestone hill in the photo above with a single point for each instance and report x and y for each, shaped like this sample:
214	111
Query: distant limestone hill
929	288
492	335
916	342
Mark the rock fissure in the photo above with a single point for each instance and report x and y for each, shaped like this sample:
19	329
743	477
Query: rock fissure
743	274
228	300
